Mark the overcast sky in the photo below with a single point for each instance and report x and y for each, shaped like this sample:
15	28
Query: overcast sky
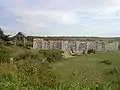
61	17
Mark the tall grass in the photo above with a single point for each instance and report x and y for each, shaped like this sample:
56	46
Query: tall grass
31	70
4	54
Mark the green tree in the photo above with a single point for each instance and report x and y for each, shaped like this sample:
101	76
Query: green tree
3	36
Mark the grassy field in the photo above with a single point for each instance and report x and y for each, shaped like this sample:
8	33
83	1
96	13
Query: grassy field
48	70
89	66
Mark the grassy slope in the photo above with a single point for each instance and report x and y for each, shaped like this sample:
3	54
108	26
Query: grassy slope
90	64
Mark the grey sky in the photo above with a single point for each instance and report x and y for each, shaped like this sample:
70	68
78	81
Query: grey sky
61	17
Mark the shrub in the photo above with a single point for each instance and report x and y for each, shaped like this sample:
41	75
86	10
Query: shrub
21	55
91	51
48	55
28	44
4	54
35	73
26	54
28	74
106	62
52	55
7	82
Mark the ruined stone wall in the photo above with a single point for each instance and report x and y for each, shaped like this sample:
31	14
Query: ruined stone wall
100	46
37	43
111	46
57	45
45	45
91	45
76	46
82	46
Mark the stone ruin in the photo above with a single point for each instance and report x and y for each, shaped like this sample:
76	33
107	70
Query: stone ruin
77	46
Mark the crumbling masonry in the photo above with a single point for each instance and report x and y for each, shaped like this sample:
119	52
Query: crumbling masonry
78	46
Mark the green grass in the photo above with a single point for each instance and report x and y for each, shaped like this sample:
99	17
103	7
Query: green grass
89	64
31	70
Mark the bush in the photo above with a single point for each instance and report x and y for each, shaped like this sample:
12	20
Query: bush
28	74
7	82
106	62
52	55
20	54
91	51
48	55
4	54
35	73
28	45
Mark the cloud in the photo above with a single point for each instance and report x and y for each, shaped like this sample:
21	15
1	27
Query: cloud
9	30
38	19
57	16
87	17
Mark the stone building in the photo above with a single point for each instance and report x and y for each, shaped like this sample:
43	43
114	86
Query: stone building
19	39
76	45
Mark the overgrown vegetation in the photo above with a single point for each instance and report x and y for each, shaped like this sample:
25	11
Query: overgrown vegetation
29	75
29	71
106	62
91	51
52	55
4	54
38	70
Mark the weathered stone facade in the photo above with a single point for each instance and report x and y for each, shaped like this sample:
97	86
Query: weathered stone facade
111	46
75	45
